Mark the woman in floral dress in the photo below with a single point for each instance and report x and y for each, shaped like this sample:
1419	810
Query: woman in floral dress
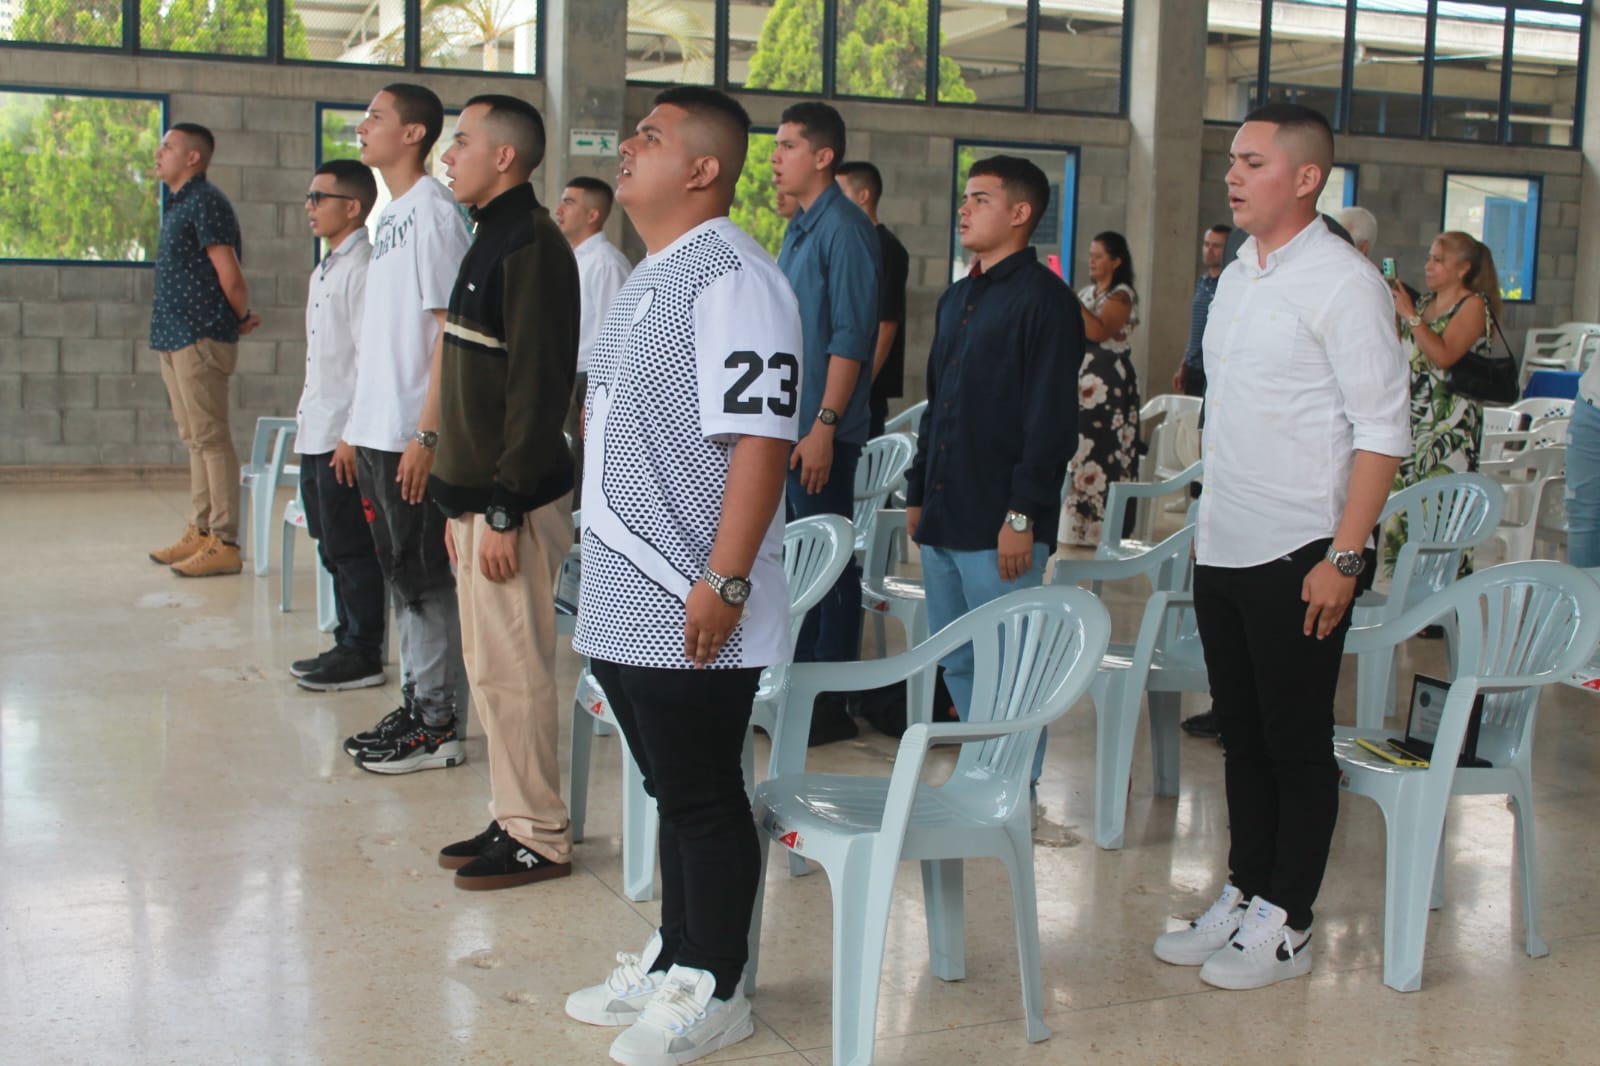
1455	316
1108	391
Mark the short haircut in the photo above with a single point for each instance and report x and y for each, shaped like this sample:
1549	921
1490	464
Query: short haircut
418	104
1116	246
1304	131
821	125
517	123
863	175
353	179
602	193
724	116
1362	224
1222	228
1022	181
200	137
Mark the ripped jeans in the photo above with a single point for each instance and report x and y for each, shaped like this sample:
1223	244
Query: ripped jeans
416	568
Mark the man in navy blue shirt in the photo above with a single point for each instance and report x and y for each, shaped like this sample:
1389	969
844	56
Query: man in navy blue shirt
830	256
984	492
1190	378
201	308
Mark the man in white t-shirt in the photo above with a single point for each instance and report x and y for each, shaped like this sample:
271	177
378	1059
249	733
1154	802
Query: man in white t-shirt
602	268
394	424
694	389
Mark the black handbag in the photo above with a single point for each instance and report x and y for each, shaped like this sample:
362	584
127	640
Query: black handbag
1486	378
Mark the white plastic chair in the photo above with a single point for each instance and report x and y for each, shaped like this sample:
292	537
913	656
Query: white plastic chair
1036	653
1569	346
1523	477
887	595
1445	516
294	518
1550	432
880	473
907	421
258	481
1169	418
815	551
1537	409
1521	626
1119	494
1550	520
1503	420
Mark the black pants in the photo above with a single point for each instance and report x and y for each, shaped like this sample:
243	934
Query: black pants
1194	380
877	414
1272	688
831	632
337	521
686	731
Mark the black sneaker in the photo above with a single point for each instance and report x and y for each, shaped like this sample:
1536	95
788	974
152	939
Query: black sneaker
419	747
505	863
1203	725
455	856
392	725
343	668
302	667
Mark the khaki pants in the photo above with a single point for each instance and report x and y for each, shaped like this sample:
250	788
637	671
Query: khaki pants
508	640
197	385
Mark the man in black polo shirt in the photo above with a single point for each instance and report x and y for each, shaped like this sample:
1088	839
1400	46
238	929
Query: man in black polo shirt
984	492
862	184
200	310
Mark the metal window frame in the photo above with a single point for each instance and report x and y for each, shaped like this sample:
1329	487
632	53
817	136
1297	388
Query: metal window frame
1537	182
1069	220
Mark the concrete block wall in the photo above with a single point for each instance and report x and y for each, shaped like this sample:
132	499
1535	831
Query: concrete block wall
78	382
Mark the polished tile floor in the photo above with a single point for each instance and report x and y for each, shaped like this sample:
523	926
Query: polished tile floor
192	872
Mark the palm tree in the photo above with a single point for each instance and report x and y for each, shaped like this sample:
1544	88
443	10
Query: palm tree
669	22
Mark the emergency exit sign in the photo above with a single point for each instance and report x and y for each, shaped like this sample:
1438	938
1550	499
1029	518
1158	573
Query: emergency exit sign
593	142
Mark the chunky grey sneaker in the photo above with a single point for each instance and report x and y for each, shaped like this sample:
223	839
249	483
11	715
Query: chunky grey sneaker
1263	952
684	1022
621	997
1206	934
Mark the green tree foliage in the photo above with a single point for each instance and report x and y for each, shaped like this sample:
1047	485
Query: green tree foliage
210	27
881	53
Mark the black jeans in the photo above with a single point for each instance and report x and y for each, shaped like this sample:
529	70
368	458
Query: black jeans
337	521
1272	688
831	632
877	414
1194	380
686	730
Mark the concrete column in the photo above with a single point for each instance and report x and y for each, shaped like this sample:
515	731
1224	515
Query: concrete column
1167	88
586	44
1586	298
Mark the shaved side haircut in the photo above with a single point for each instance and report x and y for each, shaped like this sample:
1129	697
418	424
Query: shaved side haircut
516	123
199	138
1022	181
725	123
863	175
1303	132
418	105
353	179
596	192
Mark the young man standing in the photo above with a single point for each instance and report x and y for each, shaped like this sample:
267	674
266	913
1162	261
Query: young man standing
691	414
201	309
1307	419
1190	378
504	476
602	268
830	256
342	193
983	496
394	425
862	185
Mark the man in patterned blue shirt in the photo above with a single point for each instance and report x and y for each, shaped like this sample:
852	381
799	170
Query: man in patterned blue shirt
200	310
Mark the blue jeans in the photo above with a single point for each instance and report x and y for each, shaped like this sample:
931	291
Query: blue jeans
831	632
956	582
1583	485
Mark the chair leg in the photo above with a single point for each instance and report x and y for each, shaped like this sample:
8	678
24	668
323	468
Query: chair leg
1411	852
286	565
578	771
754	961
1025	916
860	923
1113	758
1528	865
327	609
1436	895
944	900
1165	712
246	510
639	830
260	530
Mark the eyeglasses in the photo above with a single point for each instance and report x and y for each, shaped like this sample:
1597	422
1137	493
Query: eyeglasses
315	198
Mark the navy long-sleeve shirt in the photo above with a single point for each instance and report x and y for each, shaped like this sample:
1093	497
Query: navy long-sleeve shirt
1002	417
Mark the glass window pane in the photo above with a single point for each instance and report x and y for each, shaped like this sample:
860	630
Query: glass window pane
1544	77
983	48
1468	54
337	140
1340	190
1080	55
1386	75
1503	213
1233	49
81	22
346	31
1055	230
755	199
491	35
1307	55
96	153
882	49
672	41
775	44
221	28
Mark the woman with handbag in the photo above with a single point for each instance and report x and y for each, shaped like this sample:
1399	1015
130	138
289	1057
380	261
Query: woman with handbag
1453	320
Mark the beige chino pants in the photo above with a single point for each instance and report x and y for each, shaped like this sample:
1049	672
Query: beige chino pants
508	641
197	386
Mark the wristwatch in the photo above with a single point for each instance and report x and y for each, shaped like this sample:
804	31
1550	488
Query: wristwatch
733	590
828	416
1349	563
1414	321
501	520
427	438
1019	521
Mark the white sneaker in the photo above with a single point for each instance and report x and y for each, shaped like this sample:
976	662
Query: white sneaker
620	998
1263	952
684	1022
1212	930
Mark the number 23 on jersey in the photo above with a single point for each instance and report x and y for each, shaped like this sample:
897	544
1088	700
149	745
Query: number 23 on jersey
771	384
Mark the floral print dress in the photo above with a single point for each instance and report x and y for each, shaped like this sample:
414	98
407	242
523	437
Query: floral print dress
1108	423
1446	427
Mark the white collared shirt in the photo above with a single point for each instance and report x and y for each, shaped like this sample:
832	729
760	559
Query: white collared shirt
334	307
1303	368
602	269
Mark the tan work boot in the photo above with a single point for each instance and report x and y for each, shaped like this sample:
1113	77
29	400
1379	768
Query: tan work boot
191	542
213	558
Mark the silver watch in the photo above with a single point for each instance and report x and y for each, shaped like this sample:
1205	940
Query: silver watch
733	590
1019	521
1349	563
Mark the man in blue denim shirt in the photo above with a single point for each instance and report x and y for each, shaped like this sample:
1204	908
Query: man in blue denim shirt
830	256
984	492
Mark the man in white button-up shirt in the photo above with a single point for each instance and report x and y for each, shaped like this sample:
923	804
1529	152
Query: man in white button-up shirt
1306	421
602	268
